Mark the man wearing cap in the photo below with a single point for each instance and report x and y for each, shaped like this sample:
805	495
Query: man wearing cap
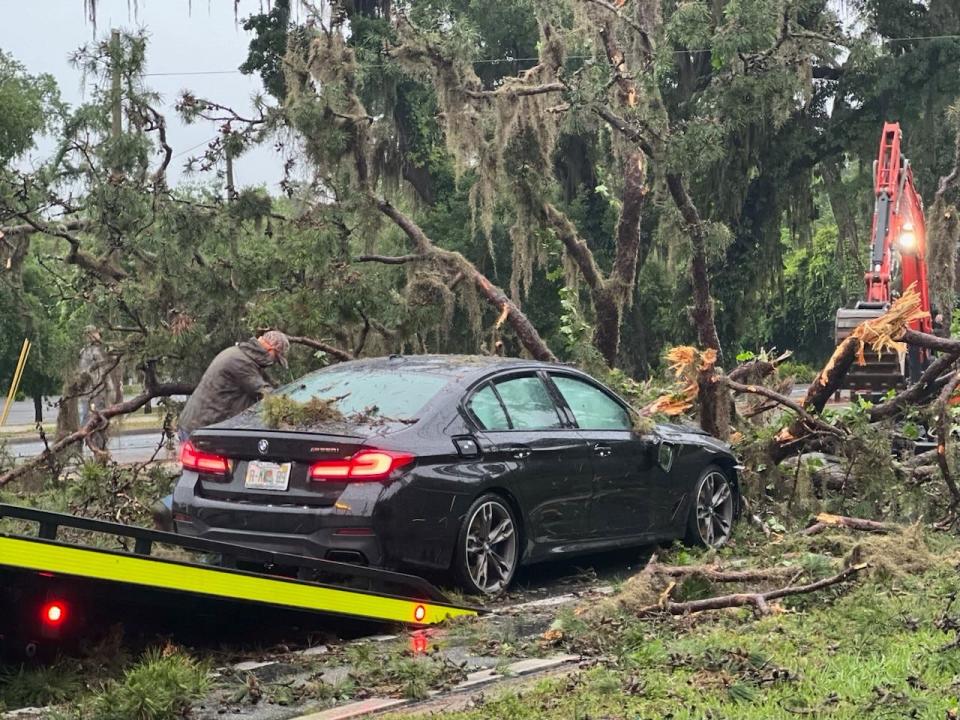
235	380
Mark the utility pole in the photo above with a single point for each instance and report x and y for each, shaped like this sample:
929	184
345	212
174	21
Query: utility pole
231	188
116	127
228	159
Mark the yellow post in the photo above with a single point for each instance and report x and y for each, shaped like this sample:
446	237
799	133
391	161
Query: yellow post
15	383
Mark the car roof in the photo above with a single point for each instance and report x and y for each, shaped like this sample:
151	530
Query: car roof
450	365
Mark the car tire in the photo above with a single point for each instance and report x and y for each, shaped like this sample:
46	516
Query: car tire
713	511
488	546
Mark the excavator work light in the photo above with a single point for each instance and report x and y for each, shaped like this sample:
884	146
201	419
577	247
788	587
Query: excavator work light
908	239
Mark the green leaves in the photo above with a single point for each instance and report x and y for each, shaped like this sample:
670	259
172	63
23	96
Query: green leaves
28	105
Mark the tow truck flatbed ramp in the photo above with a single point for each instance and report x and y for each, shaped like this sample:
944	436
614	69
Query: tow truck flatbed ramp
32	564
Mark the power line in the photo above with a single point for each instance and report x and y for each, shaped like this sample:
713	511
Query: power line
194	147
197	72
508	59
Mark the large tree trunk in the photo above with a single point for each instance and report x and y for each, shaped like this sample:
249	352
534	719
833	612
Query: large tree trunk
68	413
702	313
606	334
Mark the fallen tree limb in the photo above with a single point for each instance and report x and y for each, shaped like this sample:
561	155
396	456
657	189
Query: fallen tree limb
422	245
929	382
715	573
756	369
329	349
97	421
758	600
826	520
811	420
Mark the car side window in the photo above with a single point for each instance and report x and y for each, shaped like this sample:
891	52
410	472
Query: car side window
528	403
592	408
486	408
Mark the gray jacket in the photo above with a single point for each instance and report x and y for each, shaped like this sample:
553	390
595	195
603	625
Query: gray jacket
234	381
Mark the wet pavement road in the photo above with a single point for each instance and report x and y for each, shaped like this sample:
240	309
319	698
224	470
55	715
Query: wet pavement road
129	448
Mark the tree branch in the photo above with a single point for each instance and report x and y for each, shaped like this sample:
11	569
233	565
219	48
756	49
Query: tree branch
810	420
97	421
577	247
758	600
526	332
13	231
641	137
101	268
391	259
616	11
949	180
929	381
511	90
331	350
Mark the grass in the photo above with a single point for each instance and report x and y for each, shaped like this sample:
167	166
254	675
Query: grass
162	686
38	686
877	648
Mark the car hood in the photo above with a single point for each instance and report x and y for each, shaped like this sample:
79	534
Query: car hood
690	434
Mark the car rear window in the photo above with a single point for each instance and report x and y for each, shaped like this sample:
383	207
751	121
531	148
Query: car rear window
487	409
528	403
395	393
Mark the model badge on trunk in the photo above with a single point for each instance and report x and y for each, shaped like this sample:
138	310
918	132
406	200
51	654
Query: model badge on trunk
263	446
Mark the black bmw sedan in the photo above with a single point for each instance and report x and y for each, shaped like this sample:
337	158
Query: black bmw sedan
467	465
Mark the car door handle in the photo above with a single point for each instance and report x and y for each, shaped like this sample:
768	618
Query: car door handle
602	450
519	452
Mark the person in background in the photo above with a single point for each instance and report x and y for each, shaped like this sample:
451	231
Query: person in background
939	328
234	380
95	383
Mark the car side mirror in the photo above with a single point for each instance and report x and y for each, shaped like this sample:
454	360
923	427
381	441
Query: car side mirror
466	446
665	453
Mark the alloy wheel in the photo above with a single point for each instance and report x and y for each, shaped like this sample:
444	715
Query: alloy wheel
491	547
715	509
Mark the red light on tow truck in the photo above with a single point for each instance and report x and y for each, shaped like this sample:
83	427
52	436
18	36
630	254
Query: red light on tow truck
54	613
419	613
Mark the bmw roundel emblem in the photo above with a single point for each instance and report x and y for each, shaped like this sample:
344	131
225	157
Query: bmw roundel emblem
263	446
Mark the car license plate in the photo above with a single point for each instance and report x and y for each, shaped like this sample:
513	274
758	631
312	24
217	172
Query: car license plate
267	476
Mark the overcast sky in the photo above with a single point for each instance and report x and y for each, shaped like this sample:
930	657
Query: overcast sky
185	37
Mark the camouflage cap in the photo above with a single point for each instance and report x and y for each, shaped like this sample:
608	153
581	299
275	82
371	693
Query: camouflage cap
279	343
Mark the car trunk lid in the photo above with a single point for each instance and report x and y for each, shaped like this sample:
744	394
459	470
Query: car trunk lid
260	459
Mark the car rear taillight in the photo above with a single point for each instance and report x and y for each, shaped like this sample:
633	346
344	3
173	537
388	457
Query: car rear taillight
366	465
202	462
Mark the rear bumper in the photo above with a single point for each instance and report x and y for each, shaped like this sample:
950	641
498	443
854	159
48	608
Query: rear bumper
332	533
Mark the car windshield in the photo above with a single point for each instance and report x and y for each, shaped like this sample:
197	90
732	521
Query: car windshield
394	393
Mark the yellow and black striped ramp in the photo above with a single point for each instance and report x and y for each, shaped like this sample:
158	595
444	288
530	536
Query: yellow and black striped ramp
144	571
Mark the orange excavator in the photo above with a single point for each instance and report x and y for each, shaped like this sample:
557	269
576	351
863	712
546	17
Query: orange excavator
897	260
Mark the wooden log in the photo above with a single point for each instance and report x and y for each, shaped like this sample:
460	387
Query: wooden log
826	520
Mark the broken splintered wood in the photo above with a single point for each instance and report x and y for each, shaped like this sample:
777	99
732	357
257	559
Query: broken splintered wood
826	520
759	600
